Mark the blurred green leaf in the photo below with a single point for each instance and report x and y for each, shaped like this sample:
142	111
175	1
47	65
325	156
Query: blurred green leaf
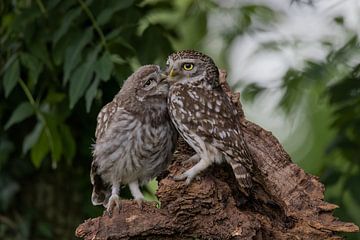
347	90
117	59
39	50
6	148
40	149
56	143
260	12
58	51
8	63
32	137
68	142
104	67
73	53
55	97
34	66
252	90
107	13
81	78
7	192
352	183
156	45
23	111
11	76
66	23
149	191
331	176
52	3
91	93
292	83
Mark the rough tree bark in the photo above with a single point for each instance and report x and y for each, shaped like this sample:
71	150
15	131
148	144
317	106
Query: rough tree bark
287	204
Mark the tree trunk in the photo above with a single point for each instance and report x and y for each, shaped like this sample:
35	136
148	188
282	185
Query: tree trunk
286	204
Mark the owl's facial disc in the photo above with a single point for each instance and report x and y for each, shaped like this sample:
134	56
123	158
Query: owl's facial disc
149	82
184	69
153	85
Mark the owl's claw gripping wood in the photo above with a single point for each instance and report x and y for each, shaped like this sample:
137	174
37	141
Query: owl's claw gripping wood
191	173
114	203
139	202
186	176
182	177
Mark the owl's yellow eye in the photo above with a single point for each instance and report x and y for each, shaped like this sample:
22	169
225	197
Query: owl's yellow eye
188	66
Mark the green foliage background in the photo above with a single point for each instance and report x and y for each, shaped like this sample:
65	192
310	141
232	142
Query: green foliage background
61	61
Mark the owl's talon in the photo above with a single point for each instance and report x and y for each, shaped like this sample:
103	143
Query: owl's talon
179	177
188	181
184	176
109	212
114	202
139	203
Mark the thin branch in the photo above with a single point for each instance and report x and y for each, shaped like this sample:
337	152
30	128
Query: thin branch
95	25
42	7
39	114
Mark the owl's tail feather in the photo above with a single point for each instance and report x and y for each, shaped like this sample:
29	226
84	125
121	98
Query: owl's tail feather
251	185
101	191
242	176
100	194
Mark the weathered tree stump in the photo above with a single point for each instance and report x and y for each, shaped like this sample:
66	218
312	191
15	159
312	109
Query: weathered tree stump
287	204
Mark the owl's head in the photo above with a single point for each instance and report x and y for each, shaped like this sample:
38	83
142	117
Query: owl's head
190	66
147	84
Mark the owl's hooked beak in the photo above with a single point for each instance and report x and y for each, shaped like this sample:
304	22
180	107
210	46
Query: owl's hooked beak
163	77
173	73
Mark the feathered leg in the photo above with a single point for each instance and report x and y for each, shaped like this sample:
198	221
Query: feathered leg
136	193
193	159
192	172
114	200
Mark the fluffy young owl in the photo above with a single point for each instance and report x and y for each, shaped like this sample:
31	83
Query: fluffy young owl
135	138
205	116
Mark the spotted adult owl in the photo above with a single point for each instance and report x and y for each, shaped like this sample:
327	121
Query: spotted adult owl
135	138
205	116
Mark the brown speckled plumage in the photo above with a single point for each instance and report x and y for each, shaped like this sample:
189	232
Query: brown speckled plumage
212	72
134	137
205	116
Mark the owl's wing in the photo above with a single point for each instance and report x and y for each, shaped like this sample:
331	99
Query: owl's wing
214	118
109	114
105	117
